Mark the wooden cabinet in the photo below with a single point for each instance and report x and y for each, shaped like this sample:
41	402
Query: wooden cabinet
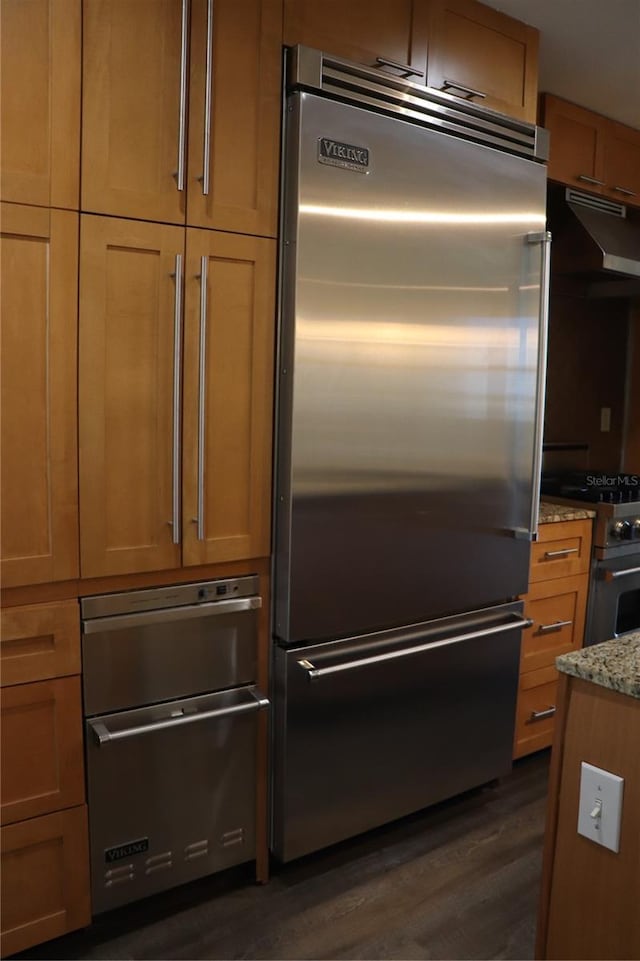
40	102
39	265
362	30
140	112
45	878
482	55
556	602
39	641
592	152
131	374
229	337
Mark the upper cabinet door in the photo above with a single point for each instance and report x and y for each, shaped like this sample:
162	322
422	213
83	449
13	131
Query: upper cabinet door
367	31
234	115
134	108
228	396
39	496
622	162
129	395
40	102
481	55
576	154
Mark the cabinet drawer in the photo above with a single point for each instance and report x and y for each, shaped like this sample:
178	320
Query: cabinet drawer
45	879
562	550
39	641
42	763
557	609
535	713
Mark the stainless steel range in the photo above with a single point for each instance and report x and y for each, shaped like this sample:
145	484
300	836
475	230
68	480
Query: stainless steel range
614	597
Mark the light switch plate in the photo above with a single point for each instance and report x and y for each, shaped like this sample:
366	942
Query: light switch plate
600	791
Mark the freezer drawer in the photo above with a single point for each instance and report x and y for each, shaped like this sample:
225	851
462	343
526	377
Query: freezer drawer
171	793
372	728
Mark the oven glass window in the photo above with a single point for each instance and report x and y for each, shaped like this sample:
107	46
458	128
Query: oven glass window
628	618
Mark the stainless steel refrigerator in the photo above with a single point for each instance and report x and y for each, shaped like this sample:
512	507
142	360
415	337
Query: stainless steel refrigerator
410	397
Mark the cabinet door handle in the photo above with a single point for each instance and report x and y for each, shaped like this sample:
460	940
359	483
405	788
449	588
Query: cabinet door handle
590	180
625	191
550	555
177	367
208	93
469	91
202	394
407	68
182	116
541	715
556	626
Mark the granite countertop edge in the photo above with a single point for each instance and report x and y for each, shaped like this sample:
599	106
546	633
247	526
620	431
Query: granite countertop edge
552	513
613	664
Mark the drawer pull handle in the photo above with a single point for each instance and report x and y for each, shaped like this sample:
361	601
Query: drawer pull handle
590	180
469	91
541	715
549	555
625	191
406	67
556	626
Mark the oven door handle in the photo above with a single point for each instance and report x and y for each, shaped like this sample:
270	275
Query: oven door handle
314	673
614	575
102	734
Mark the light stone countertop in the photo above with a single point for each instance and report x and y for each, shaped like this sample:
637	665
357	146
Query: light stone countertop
551	513
613	664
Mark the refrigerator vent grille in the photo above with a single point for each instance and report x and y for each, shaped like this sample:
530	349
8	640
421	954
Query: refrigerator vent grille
312	70
595	203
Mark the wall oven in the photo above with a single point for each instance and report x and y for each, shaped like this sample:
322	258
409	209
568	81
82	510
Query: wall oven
171	719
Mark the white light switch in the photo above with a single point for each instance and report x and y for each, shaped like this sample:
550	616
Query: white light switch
600	806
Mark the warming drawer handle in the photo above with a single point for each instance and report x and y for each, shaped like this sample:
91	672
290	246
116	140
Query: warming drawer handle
556	626
103	735
141	618
614	575
541	715
549	555
313	672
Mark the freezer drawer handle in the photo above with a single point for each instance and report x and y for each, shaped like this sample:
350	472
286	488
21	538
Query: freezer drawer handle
556	626
313	672
99	624
549	555
103	735
541	715
613	575
407	68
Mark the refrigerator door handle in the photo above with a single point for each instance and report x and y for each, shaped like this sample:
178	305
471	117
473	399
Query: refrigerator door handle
544	239
314	673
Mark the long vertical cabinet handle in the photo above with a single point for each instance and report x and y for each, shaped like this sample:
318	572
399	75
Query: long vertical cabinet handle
208	92
202	395
182	119
544	239
177	368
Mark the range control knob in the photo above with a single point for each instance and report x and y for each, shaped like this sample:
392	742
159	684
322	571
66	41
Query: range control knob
621	530
635	528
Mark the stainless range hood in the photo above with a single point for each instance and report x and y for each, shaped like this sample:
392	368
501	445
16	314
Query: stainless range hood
595	238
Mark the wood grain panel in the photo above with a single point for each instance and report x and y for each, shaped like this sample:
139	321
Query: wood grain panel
42	758
40	102
576	146
622	163
548	603
537	693
246	83
131	108
574	536
603	729
45	879
39	641
127	297
238	344
39	510
486	51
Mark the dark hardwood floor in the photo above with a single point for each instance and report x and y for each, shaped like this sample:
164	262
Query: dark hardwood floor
459	880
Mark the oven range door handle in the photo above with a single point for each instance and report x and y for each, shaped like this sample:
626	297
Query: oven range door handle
314	673
255	702
614	575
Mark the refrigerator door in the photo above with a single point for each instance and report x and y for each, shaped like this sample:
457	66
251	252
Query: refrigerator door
408	372
372	728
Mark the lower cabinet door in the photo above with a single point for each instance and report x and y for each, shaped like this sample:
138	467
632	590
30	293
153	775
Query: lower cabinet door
45	878
535	714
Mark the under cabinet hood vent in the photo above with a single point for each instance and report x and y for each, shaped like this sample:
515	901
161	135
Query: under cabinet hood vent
593	202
